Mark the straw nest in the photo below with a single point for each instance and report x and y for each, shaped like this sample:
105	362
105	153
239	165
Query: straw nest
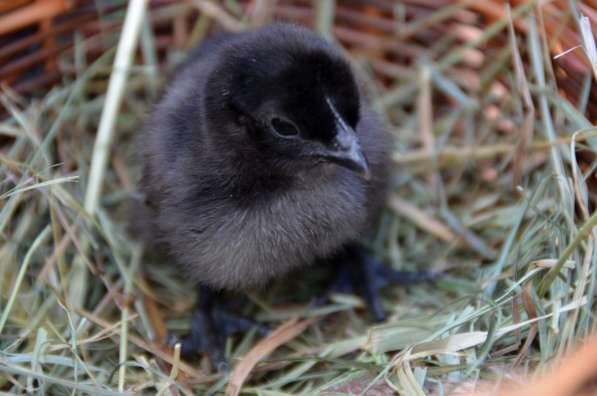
493	108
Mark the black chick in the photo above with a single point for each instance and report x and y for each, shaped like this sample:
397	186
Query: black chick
262	156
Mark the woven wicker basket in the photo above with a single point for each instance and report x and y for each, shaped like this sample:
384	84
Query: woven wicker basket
35	33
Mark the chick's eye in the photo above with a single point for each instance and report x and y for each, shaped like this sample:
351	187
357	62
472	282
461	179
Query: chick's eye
283	127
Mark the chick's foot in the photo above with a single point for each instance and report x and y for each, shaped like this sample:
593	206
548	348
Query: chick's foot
211	324
357	271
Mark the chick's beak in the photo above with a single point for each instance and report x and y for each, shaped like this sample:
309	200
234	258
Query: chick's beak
346	151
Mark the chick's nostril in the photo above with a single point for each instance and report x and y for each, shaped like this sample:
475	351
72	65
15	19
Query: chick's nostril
344	139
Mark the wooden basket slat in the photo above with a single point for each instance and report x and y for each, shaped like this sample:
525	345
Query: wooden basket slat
31	14
9	5
68	26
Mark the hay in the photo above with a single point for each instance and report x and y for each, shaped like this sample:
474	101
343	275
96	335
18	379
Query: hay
495	188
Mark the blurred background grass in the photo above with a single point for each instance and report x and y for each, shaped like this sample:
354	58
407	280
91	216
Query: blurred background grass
493	108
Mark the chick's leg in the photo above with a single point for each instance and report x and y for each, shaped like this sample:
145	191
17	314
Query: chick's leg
211	323
358	271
